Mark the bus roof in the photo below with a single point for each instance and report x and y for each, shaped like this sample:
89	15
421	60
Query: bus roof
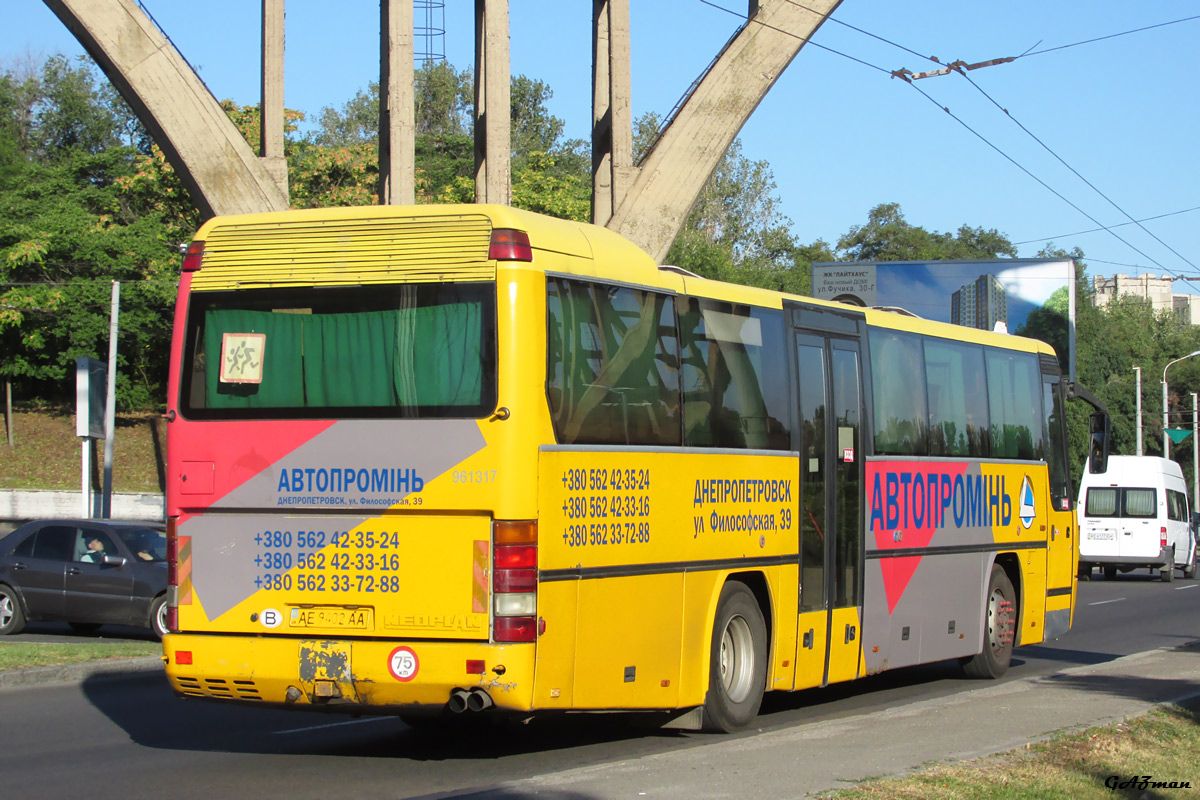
243	251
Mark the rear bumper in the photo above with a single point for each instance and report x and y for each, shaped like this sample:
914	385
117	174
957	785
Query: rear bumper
348	675
1165	556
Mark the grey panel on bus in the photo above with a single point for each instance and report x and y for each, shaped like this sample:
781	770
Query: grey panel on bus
387	459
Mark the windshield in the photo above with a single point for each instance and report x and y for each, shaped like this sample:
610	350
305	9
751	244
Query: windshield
417	350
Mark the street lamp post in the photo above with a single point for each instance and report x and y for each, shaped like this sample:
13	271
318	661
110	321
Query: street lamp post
1167	439
1138	371
1195	452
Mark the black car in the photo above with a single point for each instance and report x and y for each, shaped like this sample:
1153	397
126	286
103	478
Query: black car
84	572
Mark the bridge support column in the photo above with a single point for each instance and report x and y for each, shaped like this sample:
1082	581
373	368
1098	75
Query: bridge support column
397	116
493	112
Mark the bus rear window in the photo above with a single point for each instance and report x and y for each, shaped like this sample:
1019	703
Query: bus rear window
416	350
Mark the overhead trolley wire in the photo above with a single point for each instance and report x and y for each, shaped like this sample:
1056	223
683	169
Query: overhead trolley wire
962	68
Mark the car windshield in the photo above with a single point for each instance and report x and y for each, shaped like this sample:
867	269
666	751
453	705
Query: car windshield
146	544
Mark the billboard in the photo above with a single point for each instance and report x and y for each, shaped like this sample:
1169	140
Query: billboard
1030	297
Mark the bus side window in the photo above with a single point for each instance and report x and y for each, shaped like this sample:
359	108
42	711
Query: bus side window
958	420
1015	404
733	376
899	386
613	371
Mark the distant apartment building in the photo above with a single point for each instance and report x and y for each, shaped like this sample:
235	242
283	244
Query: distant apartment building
1156	291
980	304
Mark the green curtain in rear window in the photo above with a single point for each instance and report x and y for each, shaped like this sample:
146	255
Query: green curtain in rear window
440	362
348	359
408	357
282	383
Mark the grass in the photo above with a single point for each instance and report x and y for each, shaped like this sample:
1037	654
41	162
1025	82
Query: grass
46	453
1162	744
23	655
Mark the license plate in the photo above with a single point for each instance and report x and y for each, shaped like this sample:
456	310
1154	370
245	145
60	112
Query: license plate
358	619
1102	534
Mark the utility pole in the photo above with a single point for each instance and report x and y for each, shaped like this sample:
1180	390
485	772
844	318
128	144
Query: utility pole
1138	373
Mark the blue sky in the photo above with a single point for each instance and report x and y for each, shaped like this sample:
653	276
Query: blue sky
840	137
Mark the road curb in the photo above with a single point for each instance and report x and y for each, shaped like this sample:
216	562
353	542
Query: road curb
79	672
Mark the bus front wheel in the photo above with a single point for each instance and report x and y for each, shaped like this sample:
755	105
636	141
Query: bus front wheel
738	661
1000	628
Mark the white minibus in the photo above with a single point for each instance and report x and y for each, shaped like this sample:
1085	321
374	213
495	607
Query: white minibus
1136	515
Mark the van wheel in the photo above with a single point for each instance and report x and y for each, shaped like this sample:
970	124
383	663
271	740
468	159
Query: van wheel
1168	573
1000	628
737	674
1189	571
1110	573
1085	572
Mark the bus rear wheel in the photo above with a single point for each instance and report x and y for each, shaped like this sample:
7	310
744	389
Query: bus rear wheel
738	661
1000	628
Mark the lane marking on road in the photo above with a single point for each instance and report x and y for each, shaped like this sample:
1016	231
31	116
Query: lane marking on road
1102	602
334	725
1181	588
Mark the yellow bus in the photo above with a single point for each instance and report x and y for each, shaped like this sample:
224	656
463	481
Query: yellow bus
448	459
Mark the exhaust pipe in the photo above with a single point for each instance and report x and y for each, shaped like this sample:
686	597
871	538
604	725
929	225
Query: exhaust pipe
479	700
459	701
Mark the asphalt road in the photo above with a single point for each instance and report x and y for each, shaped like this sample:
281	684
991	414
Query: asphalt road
131	738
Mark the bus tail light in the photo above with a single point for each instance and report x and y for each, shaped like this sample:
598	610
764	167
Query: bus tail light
514	581
172	576
510	245
193	256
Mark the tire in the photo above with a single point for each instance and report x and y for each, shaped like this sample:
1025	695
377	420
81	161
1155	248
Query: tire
999	628
12	618
737	674
158	616
1189	570
1085	572
84	627
1110	573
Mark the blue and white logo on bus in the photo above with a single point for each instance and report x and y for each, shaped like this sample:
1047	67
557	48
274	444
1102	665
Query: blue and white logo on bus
1027	512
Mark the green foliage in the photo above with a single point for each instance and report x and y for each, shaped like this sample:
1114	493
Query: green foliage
887	236
71	223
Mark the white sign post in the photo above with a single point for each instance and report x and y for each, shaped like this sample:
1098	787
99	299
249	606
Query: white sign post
90	383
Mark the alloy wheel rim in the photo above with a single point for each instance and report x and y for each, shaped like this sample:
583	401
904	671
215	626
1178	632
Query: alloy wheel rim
737	659
995	620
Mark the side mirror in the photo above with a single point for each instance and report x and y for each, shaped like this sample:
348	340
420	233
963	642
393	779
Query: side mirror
1098	450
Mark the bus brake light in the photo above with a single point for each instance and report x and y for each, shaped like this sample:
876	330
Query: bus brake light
514	581
193	256
510	245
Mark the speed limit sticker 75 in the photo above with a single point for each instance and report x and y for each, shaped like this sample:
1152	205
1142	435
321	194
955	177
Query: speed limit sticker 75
403	664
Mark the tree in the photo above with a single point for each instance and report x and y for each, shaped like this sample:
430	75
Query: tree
735	231
68	228
887	236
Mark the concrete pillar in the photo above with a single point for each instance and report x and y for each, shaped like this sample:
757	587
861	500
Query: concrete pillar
671	177
271	125
493	105
222	173
397	113
612	120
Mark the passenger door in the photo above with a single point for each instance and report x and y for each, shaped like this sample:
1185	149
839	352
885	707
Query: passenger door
1063	535
41	577
830	394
